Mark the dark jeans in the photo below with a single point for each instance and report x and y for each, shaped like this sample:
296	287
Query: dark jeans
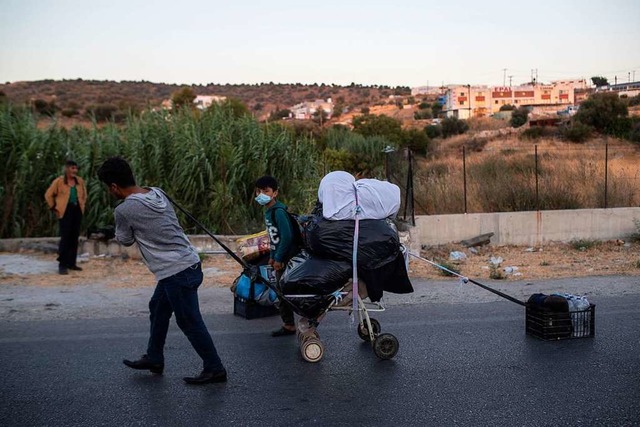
286	312
69	233
179	294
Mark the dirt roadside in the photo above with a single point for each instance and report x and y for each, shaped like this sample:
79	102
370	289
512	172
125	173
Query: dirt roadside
551	261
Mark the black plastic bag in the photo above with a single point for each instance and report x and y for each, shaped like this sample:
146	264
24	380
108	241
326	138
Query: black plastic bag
378	242
309	274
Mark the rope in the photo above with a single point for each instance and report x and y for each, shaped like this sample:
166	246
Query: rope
465	280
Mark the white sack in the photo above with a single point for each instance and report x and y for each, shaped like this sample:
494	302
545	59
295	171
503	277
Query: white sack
377	199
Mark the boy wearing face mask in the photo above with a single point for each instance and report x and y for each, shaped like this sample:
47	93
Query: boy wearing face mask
283	247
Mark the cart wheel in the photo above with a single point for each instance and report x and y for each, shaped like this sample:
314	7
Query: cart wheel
312	350
363	331
386	346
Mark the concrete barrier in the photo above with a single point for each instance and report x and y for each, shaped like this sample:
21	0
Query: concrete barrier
509	228
527	228
111	248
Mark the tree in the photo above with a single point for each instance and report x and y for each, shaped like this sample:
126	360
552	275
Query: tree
237	107
599	81
519	117
433	131
182	97
370	125
606	113
338	109
423	114
436	109
507	107
416	140
320	116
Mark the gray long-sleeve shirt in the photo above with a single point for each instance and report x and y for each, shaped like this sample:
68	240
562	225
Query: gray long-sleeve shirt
149	220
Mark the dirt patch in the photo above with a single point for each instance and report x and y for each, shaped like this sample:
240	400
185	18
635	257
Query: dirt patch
551	261
112	271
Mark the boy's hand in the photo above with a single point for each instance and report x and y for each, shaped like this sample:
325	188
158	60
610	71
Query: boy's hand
278	266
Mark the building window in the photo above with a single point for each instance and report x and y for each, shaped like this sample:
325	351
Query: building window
461	102
516	101
461	93
496	101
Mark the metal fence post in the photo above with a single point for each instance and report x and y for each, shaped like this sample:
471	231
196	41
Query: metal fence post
464	176
537	193
606	175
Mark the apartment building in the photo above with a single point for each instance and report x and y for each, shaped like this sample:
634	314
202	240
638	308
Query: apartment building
479	101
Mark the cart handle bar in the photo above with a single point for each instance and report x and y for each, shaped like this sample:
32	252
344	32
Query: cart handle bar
199	224
466	279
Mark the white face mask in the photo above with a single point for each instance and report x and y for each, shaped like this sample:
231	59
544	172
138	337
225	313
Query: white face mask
263	199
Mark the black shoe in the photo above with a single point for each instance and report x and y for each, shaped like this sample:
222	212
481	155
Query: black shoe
63	270
208	377
145	364
75	268
283	332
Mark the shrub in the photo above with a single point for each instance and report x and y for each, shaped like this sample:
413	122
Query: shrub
424	105
449	266
537	132
365	110
605	112
452	126
576	132
433	131
507	107
423	114
583	244
45	108
634	133
519	117
416	140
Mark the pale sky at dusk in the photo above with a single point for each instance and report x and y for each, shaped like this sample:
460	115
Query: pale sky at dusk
371	42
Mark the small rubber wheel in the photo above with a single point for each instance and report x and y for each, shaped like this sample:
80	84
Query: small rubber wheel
312	350
363	330
386	346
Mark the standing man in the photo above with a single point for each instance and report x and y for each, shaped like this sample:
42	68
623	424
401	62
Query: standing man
67	196
146	216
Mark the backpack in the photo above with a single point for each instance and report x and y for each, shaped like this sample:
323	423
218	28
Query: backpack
296	226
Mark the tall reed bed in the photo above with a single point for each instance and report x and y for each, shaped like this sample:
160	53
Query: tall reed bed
208	161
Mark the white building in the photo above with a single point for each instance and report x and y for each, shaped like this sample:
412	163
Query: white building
202	102
306	110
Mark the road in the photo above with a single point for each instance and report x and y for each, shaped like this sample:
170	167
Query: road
459	364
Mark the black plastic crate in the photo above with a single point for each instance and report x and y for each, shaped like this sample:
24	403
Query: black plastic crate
250	309
548	325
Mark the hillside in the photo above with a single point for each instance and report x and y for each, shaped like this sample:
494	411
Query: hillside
72	98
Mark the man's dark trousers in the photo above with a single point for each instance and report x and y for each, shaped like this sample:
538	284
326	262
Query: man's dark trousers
179	294
69	234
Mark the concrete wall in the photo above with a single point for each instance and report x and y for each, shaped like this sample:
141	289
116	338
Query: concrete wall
111	248
527	228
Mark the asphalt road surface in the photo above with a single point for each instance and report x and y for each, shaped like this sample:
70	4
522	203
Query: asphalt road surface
459	364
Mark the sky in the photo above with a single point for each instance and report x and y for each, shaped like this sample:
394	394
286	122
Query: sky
406	42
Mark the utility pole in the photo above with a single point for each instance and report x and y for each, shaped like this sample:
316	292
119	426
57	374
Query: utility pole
616	80
469	88
504	77
629	77
510	77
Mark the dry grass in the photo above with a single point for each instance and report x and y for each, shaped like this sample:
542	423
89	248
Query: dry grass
501	175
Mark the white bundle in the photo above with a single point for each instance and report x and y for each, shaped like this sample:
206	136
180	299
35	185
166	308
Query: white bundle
377	199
